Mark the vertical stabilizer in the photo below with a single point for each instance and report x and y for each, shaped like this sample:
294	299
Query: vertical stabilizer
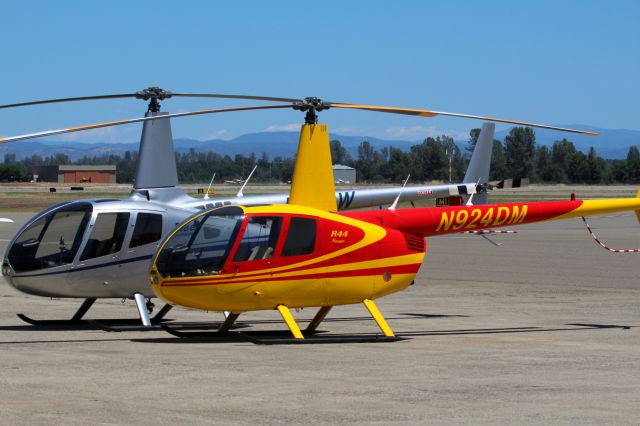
156	166
480	164
312	184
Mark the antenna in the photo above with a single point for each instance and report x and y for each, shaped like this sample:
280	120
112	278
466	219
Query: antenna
450	154
240	194
395	202
206	194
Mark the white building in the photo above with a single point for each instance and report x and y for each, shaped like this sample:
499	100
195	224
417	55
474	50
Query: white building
344	174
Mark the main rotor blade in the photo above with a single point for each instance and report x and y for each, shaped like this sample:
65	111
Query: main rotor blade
223	96
429	113
138	95
135	120
79	98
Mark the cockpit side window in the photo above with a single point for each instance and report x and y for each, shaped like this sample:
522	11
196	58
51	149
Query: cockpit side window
148	229
301	238
107	235
201	246
260	238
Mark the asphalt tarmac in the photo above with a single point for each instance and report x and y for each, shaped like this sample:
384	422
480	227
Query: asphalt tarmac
544	329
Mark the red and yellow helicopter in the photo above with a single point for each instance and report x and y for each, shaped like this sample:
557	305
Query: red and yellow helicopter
306	254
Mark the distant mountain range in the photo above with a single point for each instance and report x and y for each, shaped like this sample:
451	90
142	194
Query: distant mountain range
612	143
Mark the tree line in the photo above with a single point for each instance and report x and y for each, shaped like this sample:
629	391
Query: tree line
518	156
435	159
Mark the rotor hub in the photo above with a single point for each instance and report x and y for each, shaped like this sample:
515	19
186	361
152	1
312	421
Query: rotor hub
311	105
483	188
153	95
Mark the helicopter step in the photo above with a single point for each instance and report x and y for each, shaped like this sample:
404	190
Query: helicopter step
76	319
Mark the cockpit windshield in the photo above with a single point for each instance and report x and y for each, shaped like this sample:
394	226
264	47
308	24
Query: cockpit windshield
202	245
52	240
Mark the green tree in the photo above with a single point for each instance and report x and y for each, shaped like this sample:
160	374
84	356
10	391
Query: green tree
596	166
61	159
633	164
578	168
369	162
519	152
619	172
428	160
498	169
562	155
397	166
474	134
544	168
339	154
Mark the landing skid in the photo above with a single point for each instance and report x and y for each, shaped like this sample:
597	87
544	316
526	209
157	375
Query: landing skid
86	305
221	327
275	337
41	323
314	340
294	336
135	326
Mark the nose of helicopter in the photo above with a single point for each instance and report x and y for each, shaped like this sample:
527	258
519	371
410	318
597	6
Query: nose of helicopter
37	284
168	294
6	270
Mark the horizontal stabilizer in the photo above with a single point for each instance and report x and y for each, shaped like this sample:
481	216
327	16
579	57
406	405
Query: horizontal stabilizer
510	183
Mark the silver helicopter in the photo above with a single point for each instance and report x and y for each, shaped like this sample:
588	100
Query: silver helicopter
102	248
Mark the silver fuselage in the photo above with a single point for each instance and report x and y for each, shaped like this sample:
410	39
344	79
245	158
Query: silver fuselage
111	273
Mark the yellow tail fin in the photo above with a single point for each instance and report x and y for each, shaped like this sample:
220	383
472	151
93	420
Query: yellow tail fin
312	183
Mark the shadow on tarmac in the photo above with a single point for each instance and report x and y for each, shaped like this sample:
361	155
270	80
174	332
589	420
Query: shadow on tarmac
282	336
206	331
65	325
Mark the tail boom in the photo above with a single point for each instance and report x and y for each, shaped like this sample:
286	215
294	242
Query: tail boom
447	220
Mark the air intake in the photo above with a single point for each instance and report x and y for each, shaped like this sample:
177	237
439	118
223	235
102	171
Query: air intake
414	242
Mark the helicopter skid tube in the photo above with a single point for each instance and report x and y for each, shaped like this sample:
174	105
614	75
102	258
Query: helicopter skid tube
76	319
101	325
275	337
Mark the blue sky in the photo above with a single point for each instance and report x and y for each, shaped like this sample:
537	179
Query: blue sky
553	62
